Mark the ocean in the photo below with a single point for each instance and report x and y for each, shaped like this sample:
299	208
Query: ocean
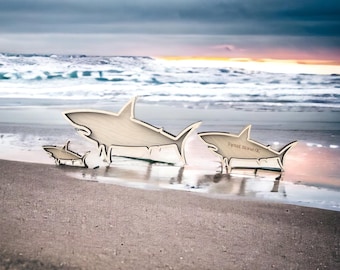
190	85
281	107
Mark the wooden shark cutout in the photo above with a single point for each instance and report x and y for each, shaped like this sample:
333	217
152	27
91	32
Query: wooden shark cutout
111	130
239	151
63	155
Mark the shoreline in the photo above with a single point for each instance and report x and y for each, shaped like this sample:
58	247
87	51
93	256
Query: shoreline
52	218
303	182
311	174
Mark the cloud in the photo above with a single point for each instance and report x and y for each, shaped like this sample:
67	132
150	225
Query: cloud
304	17
241	24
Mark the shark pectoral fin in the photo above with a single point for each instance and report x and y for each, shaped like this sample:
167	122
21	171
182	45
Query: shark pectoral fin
83	158
105	153
227	165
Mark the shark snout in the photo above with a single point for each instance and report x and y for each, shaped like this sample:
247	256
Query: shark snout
77	120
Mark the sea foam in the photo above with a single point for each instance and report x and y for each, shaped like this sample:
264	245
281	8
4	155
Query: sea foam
102	78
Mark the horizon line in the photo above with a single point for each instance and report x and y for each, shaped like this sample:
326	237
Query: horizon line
252	59
305	61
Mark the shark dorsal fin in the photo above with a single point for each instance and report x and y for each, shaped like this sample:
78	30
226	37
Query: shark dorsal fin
128	110
245	133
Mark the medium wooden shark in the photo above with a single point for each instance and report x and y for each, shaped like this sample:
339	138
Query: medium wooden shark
239	151
63	154
110	129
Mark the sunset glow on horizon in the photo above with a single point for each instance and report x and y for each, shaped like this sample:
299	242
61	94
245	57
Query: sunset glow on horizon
301	36
263	64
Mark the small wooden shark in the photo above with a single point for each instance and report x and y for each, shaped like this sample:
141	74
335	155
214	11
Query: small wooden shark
63	154
239	151
110	130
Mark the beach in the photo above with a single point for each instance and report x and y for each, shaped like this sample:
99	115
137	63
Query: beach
52	221
141	215
155	211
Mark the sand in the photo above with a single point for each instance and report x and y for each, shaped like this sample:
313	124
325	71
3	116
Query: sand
49	220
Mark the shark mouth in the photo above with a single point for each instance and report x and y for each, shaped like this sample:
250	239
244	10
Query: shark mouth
83	131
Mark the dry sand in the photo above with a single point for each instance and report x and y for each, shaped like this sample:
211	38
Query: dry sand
51	221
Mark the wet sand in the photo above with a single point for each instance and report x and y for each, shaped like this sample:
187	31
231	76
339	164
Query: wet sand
49	220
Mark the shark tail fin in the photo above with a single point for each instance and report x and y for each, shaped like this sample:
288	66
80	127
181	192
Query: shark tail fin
284	151
67	144
181	138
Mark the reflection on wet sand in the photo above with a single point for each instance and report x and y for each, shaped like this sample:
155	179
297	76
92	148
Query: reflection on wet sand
276	186
137	173
240	185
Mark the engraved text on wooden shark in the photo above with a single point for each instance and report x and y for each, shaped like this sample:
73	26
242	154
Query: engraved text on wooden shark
239	151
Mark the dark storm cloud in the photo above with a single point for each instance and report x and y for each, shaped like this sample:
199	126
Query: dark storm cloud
235	28
225	17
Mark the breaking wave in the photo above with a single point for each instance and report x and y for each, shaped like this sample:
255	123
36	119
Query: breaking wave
69	77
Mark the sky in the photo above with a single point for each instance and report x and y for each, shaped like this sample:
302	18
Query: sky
277	29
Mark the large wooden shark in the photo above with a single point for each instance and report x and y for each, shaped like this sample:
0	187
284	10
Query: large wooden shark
121	129
239	151
63	155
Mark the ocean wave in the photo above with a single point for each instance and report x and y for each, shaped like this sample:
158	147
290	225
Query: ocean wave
103	78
